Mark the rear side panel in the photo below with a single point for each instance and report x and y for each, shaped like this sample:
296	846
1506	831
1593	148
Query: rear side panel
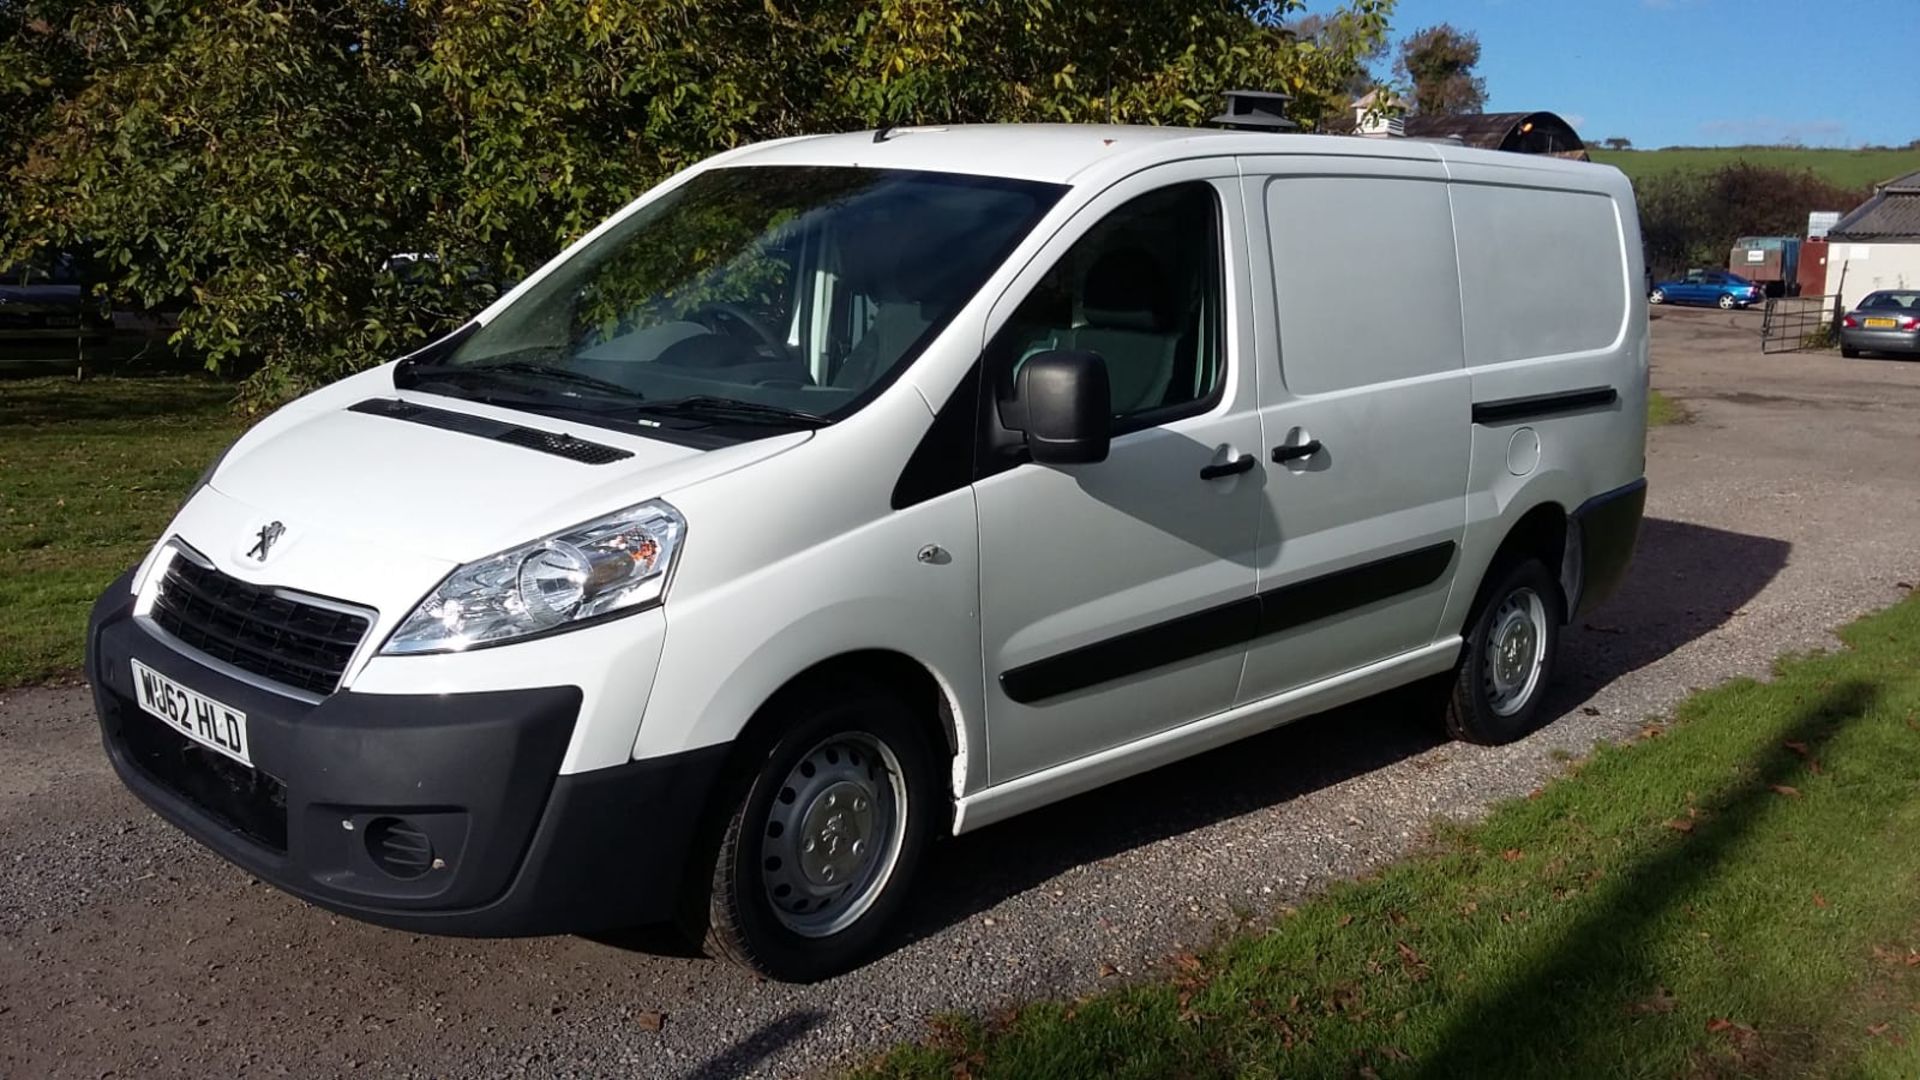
1556	345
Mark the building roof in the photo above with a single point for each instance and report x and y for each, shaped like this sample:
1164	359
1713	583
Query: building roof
1892	214
1521	132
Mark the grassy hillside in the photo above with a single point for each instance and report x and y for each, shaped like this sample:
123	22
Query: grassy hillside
1847	168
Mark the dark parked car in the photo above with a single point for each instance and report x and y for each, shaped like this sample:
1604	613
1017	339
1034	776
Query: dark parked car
1718	287
1886	322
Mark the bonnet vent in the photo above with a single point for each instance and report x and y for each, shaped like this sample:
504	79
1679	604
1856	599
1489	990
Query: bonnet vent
547	442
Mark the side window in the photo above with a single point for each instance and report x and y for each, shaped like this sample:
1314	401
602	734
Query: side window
1364	272
1143	289
1542	272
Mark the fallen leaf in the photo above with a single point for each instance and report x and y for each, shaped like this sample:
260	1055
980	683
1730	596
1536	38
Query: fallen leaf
1513	854
1903	584
1345	920
1719	1024
1819	901
1789	792
1681	825
1660	1001
1877	1030
1650	732
1800	748
1108	971
1470	907
650	1021
1588	710
1187	961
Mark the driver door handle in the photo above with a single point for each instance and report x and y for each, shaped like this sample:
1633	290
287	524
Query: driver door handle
1227	468
1283	454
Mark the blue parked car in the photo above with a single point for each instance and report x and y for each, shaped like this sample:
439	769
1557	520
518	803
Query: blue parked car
1728	291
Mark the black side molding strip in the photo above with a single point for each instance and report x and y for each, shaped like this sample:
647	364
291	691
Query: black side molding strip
1233	623
1515	410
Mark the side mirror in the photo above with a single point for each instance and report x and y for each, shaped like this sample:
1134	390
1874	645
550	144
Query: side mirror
1063	404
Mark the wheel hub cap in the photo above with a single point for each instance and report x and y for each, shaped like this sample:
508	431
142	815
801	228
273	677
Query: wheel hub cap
833	834
837	835
1516	642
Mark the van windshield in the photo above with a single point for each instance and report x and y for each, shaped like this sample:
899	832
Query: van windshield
748	299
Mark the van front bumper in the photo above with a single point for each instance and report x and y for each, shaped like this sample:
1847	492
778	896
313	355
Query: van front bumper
515	847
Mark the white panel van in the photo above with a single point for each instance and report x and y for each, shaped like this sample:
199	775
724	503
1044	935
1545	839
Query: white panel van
846	491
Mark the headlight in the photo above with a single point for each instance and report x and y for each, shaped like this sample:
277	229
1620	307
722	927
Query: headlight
614	564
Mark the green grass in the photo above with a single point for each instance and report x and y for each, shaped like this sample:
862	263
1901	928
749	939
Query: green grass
1847	168
89	474
1663	410
1736	893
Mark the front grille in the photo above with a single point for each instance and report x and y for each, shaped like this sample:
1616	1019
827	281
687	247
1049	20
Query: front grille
245	800
301	645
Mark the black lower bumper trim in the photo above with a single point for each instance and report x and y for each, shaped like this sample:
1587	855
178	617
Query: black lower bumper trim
1609	530
435	813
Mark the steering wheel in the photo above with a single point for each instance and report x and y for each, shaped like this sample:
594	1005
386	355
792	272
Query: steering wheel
727	310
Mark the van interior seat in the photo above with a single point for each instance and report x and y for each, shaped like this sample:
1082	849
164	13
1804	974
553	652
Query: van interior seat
1129	317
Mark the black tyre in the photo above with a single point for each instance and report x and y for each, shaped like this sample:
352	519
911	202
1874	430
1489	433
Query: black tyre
823	835
1849	352
1507	662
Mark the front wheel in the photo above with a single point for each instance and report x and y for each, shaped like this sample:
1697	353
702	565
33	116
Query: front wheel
1727	302
1656	297
1507	661
823	838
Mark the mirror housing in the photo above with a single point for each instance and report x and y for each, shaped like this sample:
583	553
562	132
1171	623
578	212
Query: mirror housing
1063	404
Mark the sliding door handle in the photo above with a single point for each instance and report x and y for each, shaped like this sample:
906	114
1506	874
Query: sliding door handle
1228	468
1284	454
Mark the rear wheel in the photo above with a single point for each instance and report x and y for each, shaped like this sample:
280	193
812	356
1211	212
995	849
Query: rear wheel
1508	658
1849	352
1656	297
1727	302
823	837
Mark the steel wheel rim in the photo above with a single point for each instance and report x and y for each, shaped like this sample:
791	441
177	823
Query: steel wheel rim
1726	302
833	834
1516	651
1657	297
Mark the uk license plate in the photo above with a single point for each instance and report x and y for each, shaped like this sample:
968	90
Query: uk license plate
1879	324
214	725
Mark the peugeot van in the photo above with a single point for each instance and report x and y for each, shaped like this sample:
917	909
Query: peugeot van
846	491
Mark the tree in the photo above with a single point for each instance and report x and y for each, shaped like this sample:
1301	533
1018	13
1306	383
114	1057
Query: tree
1617	143
1690	218
261	160
1439	62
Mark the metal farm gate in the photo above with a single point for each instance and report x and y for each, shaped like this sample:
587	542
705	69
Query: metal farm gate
1799	324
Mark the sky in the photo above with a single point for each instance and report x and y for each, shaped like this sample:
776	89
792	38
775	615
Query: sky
1696	72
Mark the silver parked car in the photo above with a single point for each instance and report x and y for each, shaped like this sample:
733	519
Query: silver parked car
1887	321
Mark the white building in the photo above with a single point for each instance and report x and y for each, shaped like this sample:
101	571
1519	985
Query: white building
1877	246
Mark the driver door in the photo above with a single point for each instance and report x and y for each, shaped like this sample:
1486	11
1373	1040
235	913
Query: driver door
1115	596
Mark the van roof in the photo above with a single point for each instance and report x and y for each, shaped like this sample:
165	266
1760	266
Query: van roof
1061	153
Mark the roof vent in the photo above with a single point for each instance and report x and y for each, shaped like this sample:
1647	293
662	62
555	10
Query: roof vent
1256	110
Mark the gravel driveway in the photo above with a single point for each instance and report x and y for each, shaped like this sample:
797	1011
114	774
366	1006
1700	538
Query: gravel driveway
1789	505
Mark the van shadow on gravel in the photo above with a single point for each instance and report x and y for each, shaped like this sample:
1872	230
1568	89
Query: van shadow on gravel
1686	581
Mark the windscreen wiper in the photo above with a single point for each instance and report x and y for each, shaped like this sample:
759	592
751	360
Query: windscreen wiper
708	407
